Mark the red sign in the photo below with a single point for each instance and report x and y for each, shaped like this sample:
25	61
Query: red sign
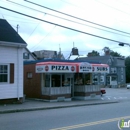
46	68
72	68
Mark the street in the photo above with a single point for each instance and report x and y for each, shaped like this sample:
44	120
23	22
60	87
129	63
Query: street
98	117
116	94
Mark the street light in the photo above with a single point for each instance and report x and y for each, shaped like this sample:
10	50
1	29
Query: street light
122	44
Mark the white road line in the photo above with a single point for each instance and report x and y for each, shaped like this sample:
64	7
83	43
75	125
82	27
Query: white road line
102	98
108	98
114	97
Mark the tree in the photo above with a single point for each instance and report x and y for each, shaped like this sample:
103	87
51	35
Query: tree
127	64
115	54
108	51
93	53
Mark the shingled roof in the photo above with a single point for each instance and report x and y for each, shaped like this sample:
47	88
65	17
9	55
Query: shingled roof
8	34
101	59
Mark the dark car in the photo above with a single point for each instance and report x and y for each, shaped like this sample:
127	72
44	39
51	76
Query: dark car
103	91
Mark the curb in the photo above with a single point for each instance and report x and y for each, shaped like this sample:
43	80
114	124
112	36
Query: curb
53	107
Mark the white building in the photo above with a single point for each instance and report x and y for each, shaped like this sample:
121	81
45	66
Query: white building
11	63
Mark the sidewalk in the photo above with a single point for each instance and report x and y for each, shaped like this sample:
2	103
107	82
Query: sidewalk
33	105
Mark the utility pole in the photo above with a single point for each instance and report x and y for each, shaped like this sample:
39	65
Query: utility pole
17	27
59	51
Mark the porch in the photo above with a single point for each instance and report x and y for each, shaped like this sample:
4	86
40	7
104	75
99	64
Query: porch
82	92
56	93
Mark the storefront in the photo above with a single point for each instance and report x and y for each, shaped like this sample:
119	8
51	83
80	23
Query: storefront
67	80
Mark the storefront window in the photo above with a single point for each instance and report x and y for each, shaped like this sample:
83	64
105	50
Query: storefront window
87	79
78	79
56	80
113	78
47	80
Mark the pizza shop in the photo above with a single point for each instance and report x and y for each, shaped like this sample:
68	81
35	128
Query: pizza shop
64	81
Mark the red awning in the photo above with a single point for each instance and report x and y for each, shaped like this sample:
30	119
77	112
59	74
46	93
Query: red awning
71	67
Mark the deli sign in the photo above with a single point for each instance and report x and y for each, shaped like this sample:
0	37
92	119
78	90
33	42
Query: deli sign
100	69
85	67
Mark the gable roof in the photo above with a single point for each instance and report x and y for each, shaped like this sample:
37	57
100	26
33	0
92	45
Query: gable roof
59	60
35	58
101	59
8	34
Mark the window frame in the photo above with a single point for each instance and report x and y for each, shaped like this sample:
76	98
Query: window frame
8	73
29	75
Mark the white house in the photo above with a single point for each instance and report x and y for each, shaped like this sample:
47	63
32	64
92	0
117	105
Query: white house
27	55
11	63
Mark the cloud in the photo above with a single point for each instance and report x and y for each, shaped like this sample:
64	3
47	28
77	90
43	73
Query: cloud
40	35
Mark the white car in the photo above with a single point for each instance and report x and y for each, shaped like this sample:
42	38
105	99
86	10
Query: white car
128	86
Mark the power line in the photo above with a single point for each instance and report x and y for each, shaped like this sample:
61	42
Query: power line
66	19
81	7
31	22
62	26
112	7
44	37
34	30
76	17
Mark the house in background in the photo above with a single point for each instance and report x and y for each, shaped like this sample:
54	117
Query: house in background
48	54
11	63
117	74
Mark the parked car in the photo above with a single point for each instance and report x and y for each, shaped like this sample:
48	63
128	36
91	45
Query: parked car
128	86
103	91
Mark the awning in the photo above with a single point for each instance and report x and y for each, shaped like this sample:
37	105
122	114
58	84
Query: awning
71	67
56	67
100	68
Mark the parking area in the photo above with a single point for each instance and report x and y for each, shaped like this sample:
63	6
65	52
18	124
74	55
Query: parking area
116	93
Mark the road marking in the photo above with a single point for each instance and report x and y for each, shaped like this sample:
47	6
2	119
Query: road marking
91	123
102	98
108	98
114	97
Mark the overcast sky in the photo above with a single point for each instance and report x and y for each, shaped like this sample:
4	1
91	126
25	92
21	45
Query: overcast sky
44	36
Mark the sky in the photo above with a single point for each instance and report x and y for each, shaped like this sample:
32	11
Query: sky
41	35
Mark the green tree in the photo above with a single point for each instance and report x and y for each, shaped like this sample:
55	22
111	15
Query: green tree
94	53
115	54
127	64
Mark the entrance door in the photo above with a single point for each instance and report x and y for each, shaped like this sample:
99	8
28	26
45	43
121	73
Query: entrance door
108	80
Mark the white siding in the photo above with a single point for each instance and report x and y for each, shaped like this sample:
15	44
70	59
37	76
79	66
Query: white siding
31	58
12	55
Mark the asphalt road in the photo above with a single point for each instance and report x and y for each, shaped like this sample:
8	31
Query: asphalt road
95	117
116	94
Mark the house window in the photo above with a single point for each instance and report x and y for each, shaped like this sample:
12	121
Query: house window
4	72
113	70
122	69
25	55
122	77
29	75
